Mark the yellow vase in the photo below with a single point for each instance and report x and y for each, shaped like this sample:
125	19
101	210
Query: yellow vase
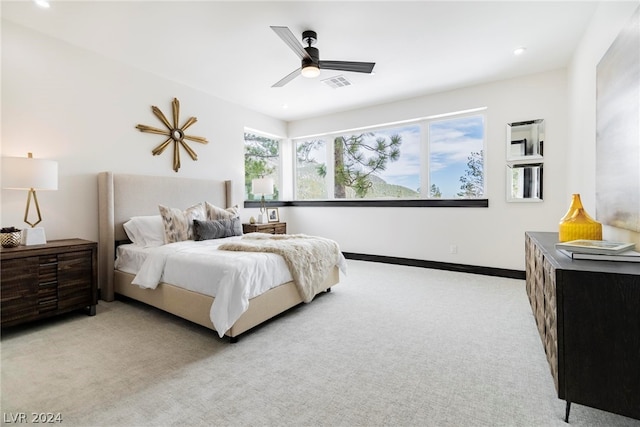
577	224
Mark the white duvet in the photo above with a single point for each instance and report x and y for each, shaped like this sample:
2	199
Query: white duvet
231	277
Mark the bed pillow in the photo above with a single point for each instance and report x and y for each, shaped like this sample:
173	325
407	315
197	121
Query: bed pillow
216	229
133	234
145	231
216	213
178	224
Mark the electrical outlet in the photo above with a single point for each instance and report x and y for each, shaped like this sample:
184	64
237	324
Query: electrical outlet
453	249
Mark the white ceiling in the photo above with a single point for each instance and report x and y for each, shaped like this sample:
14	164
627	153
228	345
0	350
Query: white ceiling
227	49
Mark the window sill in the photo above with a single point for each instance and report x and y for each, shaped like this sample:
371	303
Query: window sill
415	203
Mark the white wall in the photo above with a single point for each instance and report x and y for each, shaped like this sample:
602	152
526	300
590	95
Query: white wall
492	236
605	25
71	105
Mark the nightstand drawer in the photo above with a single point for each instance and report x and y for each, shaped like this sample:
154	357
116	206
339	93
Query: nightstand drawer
270	228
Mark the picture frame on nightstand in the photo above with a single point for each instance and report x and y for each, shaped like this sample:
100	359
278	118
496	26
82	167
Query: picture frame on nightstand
273	215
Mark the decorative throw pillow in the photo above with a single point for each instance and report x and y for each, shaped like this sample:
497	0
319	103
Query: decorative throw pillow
178	224
214	212
216	229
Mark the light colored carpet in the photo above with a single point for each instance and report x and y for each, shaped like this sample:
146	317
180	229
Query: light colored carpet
391	345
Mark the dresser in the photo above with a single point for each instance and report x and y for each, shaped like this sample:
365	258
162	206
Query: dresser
588	317
40	281
271	228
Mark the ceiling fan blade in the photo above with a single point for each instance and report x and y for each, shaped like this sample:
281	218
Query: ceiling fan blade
287	36
356	67
287	78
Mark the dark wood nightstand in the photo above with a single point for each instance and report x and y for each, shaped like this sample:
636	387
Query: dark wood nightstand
45	280
271	228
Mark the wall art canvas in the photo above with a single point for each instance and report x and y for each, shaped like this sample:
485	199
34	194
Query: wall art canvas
618	130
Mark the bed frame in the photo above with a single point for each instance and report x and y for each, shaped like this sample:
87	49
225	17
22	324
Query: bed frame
121	196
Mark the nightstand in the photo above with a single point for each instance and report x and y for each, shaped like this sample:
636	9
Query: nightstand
45	280
271	228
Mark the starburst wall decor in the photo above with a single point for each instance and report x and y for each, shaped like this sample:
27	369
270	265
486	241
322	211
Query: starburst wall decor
175	134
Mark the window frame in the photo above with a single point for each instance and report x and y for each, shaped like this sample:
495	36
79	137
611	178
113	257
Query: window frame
279	182
423	122
383	203
425	153
427	141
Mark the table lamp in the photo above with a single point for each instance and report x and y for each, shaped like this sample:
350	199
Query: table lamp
262	186
27	173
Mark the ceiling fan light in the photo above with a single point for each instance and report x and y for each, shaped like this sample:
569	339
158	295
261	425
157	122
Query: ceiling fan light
310	71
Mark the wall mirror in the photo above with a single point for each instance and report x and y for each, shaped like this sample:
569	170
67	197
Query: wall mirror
525	140
524	182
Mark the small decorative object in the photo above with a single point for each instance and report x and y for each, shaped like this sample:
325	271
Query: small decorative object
273	215
577	224
175	134
10	236
252	220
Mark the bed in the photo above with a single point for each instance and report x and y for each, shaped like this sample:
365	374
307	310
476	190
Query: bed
123	196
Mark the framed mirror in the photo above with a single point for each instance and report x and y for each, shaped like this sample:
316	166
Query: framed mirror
524	182
525	140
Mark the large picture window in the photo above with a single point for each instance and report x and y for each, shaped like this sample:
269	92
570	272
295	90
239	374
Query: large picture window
261	160
425	159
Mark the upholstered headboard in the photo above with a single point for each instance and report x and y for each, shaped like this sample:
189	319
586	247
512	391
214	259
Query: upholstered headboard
121	196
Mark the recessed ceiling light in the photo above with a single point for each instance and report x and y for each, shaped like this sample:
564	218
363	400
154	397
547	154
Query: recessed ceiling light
519	50
42	3
285	106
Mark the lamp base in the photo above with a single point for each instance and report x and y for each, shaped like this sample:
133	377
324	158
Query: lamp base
33	236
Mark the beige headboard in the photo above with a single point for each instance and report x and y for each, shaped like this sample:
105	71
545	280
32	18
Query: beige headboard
121	196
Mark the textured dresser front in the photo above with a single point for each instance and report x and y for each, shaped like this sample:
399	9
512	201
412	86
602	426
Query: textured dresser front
541	290
588	316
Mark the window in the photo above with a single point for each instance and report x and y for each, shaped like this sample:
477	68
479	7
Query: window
428	159
311	170
377	164
456	158
261	159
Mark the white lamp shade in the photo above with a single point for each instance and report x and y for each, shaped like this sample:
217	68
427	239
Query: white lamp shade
262	186
20	173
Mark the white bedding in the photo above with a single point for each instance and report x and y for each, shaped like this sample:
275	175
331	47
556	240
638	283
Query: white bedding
231	277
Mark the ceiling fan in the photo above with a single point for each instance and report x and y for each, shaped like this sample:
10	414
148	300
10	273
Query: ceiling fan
310	57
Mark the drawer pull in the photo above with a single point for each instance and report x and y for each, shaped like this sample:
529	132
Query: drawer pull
48	283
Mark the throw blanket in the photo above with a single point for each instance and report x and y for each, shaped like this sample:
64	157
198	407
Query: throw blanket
310	258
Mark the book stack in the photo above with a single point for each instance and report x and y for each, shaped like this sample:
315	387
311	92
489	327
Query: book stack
599	250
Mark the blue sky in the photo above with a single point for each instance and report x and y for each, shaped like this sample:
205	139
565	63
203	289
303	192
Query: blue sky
451	142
